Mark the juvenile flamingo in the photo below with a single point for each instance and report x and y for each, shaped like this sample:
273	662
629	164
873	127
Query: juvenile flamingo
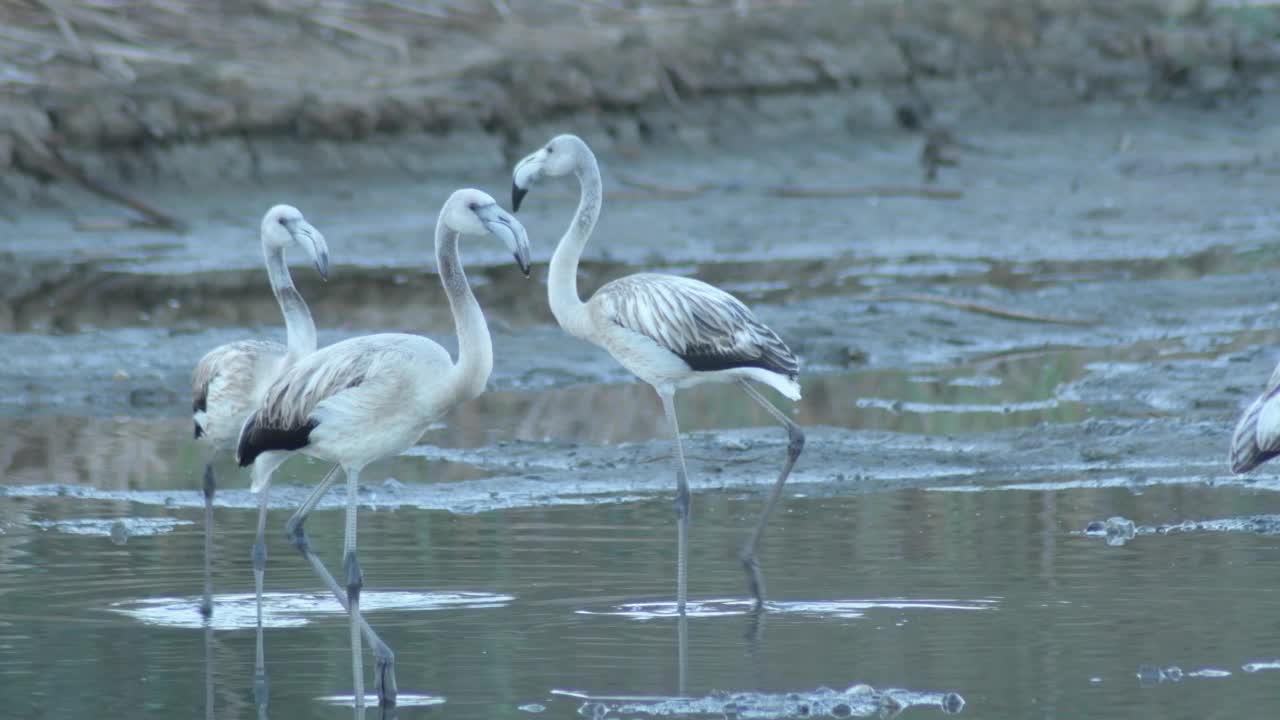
372	397
229	381
672	332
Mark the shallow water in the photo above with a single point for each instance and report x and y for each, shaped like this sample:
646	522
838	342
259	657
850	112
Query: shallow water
999	597
1033	517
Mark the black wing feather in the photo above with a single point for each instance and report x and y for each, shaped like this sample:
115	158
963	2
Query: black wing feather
704	326
256	439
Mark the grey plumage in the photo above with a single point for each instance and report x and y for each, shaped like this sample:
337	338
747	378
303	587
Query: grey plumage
672	332
294	395
707	327
1256	439
226	375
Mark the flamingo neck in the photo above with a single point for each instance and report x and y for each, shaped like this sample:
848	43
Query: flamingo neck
475	348
299	326
562	277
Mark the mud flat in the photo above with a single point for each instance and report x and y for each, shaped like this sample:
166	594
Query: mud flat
1100	252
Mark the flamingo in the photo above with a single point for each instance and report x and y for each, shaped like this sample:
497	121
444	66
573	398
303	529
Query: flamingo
1257	435
671	332
372	397
229	381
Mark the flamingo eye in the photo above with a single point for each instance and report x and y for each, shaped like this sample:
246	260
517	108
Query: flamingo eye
473	207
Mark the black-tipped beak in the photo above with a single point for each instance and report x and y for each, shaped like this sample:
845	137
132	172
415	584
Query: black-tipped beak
322	266
517	196
525	267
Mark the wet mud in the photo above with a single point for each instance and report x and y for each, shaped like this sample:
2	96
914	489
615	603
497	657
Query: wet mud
1030	387
1134	244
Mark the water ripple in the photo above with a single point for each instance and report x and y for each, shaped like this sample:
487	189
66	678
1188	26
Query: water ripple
857	701
280	610
724	607
403	700
113	527
1120	530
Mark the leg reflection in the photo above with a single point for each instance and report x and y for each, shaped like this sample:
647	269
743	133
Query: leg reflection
260	689
755	645
208	488
682	653
208	671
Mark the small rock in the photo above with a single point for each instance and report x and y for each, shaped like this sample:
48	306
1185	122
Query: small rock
1148	675
119	533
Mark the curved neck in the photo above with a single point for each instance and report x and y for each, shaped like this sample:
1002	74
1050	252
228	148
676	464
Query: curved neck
475	349
562	278
298	324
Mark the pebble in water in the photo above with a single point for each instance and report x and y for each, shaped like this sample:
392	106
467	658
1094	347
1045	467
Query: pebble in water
1149	675
1117	530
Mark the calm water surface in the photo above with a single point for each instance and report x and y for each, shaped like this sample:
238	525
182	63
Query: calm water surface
993	595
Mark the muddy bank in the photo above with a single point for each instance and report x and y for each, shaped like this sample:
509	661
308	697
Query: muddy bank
245	101
1065	190
1134	454
1131	232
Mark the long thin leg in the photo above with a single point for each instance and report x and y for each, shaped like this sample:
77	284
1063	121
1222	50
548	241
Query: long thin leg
682	654
682	505
355	582
209	487
795	444
385	679
259	556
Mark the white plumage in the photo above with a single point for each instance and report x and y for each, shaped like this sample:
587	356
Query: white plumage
227	384
672	332
230	380
361	400
1257	435
369	398
690	333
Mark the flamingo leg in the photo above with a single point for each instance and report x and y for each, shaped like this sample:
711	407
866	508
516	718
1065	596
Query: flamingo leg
208	488
208	672
681	504
355	582
259	556
795	444
296	530
682	654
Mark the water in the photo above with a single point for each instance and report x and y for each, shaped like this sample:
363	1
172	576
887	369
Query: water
944	537
996	596
516	561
